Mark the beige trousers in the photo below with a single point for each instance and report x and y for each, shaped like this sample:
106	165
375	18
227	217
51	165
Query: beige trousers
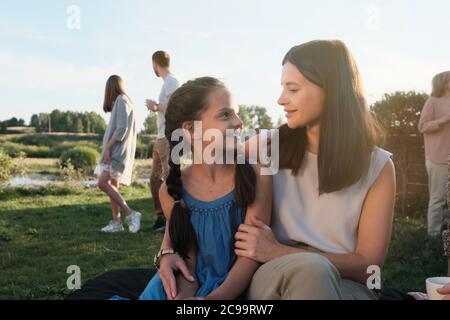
304	276
160	171
437	186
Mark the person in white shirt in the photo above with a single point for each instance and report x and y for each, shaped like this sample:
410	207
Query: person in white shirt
160	156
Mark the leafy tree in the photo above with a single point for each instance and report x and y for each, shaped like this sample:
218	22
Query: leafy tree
255	117
399	114
34	122
56	123
150	125
78	125
68	121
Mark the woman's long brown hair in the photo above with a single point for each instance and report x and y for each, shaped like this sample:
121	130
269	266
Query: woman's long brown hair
348	132
114	88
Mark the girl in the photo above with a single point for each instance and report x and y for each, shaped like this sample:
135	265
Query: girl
334	193
119	147
204	204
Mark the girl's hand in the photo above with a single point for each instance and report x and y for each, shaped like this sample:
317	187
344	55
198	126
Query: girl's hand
170	264
106	159
256	242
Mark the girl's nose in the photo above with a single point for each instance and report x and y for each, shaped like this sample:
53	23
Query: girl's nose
237	123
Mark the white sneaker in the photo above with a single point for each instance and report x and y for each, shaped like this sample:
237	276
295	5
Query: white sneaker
134	221
113	226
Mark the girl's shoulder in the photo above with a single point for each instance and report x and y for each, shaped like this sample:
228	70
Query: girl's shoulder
124	100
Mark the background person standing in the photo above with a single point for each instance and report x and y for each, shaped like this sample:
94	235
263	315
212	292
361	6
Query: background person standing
434	123
160	156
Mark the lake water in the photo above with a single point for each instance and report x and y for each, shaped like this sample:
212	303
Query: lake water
43	180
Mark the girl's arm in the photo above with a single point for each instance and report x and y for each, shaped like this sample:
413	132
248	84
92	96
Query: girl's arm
243	269
373	235
175	271
122	113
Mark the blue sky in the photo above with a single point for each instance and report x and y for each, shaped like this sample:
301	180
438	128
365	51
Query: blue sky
399	45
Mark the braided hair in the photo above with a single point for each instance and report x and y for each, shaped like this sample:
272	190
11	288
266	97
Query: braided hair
187	104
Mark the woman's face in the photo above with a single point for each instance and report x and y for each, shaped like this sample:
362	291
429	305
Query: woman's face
302	99
221	116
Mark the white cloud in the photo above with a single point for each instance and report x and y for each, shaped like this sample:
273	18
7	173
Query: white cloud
39	73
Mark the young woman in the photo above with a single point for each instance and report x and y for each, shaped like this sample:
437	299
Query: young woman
116	161
206	202
434	123
333	196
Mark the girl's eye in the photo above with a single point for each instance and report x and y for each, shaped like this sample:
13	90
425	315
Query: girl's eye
226	114
293	90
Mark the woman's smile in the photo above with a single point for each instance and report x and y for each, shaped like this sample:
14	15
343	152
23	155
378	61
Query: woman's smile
289	113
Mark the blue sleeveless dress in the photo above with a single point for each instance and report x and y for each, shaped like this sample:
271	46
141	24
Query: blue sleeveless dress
215	224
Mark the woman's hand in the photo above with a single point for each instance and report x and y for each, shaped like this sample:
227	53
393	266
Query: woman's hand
445	290
257	242
171	264
106	159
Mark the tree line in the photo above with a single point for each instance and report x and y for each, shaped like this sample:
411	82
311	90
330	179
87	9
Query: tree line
68	121
252	117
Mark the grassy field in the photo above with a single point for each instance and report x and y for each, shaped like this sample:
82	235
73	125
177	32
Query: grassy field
44	230
52	145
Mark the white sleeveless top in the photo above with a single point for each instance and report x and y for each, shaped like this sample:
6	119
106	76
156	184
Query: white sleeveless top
329	222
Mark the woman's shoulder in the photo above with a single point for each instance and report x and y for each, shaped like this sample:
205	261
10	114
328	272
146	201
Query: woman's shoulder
431	101
380	158
380	153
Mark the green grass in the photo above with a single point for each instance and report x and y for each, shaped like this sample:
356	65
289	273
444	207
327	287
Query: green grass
412	256
52	145
41	165
44	230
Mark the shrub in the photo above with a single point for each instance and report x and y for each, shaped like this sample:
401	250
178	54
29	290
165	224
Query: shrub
45	146
15	149
144	146
82	158
6	167
10	167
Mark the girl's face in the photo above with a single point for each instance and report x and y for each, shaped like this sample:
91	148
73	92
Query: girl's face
221	116
302	99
